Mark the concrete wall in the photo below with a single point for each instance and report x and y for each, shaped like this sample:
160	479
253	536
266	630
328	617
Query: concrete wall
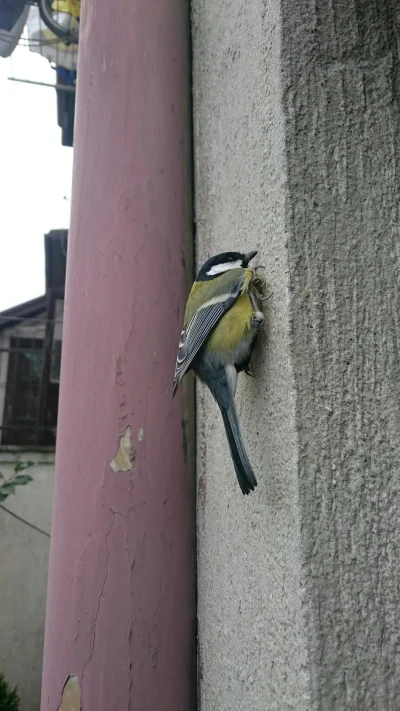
341	102
24	551
296	128
252	634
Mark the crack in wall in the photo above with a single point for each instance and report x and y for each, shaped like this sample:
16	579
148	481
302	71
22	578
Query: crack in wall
100	596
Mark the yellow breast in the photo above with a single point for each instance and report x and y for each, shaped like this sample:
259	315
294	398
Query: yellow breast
233	327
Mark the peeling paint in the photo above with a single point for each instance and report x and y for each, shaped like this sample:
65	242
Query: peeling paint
125	455
140	435
71	695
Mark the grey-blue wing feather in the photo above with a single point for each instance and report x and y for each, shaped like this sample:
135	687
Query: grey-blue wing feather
195	333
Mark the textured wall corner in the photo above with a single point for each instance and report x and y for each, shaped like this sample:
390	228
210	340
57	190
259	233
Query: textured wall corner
341	102
296	127
252	652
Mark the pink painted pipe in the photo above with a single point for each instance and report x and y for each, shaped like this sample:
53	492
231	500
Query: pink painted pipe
120	611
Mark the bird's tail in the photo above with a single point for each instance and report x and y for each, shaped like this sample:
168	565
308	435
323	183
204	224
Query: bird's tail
223	389
244	472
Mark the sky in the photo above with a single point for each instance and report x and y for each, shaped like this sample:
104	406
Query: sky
35	175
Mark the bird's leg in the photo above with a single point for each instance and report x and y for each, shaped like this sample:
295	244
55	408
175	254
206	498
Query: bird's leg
257	317
258	285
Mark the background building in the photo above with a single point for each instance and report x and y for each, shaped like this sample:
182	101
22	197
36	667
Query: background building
30	355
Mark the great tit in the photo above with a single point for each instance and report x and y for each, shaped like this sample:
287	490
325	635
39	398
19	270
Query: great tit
222	319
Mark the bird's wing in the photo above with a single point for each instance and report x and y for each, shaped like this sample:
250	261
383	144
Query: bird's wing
195	333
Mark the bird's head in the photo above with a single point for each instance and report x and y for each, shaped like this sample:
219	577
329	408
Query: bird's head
222	263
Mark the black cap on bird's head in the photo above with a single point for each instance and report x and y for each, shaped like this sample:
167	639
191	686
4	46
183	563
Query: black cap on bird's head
221	263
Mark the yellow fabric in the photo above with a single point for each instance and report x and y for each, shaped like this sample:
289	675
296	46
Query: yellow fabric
71	6
61	46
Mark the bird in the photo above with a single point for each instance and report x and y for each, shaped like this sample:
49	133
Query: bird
221	323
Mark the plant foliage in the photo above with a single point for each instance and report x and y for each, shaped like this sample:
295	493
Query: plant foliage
9	699
8	486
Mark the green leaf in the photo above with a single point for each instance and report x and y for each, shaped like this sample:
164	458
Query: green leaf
22	479
8	486
20	466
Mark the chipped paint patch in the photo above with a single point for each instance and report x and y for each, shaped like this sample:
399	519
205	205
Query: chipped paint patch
125	456
71	695
140	434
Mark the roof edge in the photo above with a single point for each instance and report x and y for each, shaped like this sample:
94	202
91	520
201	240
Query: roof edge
29	309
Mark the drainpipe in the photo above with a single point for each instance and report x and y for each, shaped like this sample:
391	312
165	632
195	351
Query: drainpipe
120	620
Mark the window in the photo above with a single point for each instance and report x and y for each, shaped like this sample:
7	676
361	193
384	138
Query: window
30	356
55	362
57	340
22	397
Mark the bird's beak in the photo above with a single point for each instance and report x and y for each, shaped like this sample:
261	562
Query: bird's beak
249	256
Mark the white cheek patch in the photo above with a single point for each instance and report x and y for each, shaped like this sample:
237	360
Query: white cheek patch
221	268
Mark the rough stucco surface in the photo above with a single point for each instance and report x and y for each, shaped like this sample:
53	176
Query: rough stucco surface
297	153
252	649
340	67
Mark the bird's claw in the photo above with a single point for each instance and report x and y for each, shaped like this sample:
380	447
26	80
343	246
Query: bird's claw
260	296
257	319
258	281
